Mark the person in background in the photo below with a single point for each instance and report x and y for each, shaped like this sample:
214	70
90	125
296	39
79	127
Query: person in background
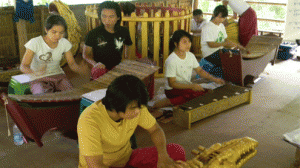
178	71
127	8
103	47
214	40
197	22
43	55
247	19
105	127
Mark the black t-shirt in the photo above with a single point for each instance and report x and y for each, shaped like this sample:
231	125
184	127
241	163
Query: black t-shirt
108	47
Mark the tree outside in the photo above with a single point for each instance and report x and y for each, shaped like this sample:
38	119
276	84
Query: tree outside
4	3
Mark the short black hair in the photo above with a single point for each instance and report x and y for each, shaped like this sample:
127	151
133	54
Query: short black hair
221	9
197	12
176	37
122	91
127	8
53	20
110	5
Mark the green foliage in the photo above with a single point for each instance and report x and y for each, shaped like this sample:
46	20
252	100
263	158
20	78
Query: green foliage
43	2
204	6
4	4
280	12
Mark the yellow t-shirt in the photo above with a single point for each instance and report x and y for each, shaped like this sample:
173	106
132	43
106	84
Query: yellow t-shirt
98	134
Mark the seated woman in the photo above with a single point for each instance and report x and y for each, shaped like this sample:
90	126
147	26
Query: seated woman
213	40
178	70
43	55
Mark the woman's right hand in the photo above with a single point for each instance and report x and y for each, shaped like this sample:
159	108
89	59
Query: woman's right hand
99	65
196	87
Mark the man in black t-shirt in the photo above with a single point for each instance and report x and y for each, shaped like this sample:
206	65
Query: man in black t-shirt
104	45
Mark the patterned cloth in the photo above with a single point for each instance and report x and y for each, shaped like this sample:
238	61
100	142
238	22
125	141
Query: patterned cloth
24	10
213	65
181	96
147	157
50	84
247	26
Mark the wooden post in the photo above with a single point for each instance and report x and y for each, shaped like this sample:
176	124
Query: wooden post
175	22
95	14
196	3
182	13
88	19
187	23
156	39
144	34
166	37
122	22
22	37
132	30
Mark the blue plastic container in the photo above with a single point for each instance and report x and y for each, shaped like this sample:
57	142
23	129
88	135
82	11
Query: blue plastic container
284	51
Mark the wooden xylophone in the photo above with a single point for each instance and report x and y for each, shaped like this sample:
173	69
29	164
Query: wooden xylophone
232	154
141	70
242	68
260	46
213	102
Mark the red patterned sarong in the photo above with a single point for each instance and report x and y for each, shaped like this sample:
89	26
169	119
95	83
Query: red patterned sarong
50	84
247	26
180	96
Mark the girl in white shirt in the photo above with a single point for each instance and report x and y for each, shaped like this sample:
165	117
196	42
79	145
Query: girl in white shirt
178	71
43	55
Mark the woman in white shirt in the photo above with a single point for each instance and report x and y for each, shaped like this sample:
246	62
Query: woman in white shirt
43	55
